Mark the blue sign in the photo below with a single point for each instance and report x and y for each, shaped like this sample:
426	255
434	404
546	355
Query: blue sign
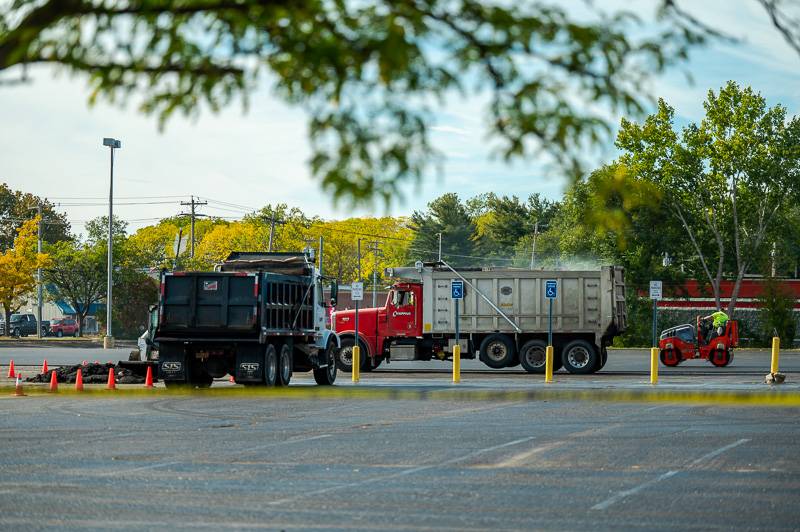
551	289
457	289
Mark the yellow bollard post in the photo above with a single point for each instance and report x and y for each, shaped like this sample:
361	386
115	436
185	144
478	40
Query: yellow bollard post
356	372
776	348
653	365
548	364
456	363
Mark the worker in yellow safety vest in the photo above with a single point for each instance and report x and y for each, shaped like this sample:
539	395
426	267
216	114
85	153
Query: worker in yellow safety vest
719	319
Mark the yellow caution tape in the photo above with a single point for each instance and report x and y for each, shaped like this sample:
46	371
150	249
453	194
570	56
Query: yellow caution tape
767	397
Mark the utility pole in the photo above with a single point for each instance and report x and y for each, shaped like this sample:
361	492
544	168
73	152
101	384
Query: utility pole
440	247
533	251
39	277
377	252
272	223
193	204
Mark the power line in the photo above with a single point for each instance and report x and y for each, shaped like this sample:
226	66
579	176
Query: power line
98	204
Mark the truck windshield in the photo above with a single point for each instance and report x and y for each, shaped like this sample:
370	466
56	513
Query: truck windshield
16	316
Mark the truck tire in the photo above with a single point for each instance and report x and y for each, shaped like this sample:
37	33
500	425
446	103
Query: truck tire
344	360
284	365
16	332
497	351
603	359
532	357
202	380
270	365
327	376
580	357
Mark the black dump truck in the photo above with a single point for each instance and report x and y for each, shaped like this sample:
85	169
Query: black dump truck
258	317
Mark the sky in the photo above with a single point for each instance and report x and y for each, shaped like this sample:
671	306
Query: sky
51	139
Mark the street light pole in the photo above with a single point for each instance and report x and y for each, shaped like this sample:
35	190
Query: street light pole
108	341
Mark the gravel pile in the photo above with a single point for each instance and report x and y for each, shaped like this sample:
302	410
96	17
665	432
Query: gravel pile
92	374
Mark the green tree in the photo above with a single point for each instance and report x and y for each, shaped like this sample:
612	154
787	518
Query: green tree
78	276
369	74
777	312
610	219
17	207
725	180
448	216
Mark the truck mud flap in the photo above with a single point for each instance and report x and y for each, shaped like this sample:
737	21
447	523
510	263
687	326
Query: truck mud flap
249	363
172	363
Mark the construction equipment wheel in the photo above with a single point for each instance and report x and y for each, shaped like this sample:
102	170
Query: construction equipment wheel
270	365
580	357
670	357
497	351
327	376
284	365
720	357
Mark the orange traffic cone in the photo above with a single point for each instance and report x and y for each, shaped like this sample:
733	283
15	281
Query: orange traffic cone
148	380
44	366
112	383
79	381
11	372
53	381
18	386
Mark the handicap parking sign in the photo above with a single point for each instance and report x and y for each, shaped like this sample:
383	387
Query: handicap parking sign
457	289
551	289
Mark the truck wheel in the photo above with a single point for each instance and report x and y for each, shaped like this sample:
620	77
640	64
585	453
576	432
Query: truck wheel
327	376
202	380
16	332
532	357
284	365
497	351
580	357
270	365
344	361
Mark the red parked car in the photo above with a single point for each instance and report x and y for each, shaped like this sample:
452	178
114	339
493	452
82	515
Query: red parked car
64	327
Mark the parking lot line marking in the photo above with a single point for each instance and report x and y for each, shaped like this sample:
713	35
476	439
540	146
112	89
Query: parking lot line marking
627	493
291	440
718	452
402	473
176	462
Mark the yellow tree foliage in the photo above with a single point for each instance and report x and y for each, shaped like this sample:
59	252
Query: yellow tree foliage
341	245
153	245
18	267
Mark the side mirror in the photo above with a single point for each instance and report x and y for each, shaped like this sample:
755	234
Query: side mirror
334	293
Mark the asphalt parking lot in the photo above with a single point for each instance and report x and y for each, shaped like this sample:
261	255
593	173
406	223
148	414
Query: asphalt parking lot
195	462
448	462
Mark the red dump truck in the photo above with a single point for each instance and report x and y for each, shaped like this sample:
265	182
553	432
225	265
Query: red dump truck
503	318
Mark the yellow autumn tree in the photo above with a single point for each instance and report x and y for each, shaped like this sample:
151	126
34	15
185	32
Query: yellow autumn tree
341	245
18	268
